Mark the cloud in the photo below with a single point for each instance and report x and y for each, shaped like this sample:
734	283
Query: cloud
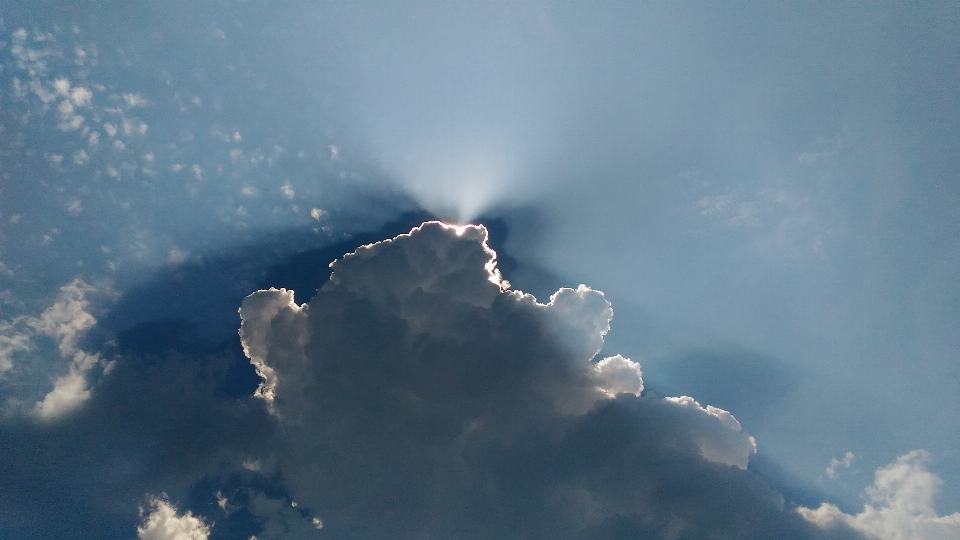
133	126
160	421
12	340
731	209
833	470
731	447
62	86
69	391
163	523
901	505
67	318
81	96
65	321
134	100
177	256
417	395
80	156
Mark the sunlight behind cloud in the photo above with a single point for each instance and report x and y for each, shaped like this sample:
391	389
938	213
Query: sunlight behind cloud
458	182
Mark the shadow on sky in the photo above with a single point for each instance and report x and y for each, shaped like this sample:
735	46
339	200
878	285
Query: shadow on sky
733	378
193	306
191	309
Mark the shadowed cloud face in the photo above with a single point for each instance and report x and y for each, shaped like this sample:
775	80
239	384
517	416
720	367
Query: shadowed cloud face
419	397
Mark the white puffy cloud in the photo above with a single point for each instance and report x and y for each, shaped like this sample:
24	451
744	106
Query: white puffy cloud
164	523
67	318
69	391
729	446
81	96
616	375
419	396
62	86
900	508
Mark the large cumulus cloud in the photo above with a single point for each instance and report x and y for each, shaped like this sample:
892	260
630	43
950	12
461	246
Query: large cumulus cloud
419	397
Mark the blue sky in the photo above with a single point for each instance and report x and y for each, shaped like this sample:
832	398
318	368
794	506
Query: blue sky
766	194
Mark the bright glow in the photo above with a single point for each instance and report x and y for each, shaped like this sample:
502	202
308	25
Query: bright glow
464	196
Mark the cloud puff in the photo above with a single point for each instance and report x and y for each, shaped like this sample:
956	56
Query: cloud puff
729	446
164	523
419	397
901	505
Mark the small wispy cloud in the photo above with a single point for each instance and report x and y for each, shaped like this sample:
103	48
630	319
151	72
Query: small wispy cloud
836	466
777	221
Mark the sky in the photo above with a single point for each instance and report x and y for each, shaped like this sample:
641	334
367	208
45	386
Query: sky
479	269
